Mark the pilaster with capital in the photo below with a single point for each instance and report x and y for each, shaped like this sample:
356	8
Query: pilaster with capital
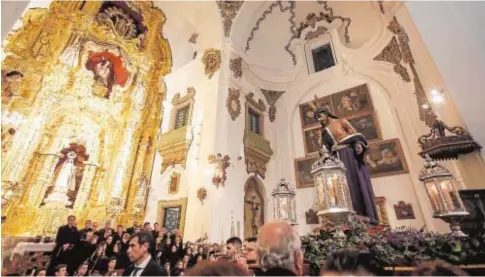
85	187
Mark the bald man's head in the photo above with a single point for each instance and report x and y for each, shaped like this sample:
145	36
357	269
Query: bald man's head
279	247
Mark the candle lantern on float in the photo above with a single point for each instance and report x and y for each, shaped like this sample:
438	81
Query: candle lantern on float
443	195
284	205
334	202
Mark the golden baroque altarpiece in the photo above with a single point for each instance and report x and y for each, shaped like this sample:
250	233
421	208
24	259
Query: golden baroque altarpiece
82	93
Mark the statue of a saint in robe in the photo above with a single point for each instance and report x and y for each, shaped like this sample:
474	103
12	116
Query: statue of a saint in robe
340	138
66	180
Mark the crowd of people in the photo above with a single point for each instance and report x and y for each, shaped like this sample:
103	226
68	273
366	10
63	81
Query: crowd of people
152	251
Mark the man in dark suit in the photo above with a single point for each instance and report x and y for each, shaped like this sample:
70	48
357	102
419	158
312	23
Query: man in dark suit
103	233
87	228
139	252
131	229
67	238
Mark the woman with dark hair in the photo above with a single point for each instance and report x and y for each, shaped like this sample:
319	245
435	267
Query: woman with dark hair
345	263
98	260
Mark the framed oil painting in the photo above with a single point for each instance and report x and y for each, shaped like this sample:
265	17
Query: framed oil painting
366	124
385	158
312	139
173	184
171	214
303	167
352	101
306	121
404	211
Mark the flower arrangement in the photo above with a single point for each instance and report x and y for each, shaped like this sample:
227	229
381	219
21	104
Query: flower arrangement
403	246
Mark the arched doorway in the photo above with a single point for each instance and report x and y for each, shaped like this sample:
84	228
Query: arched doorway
254	204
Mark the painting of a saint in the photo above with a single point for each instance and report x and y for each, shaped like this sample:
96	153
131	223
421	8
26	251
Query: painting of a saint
366	125
108	70
312	140
171	219
352	101
308	120
303	167
386	158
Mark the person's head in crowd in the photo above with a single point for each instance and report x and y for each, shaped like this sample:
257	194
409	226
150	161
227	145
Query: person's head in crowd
100	250
107	232
93	240
177	240
71	220
96	273
112	263
125	238
250	250
188	245
279	249
116	248
140	247
137	230
233	246
186	258
109	239
169	234
82	269
87	224
95	226
60	270
41	272
135	224
200	250
199	258
120	229
156	227
177	272
188	251
344	263
174	249
219	268
147	227
180	264
166	266
107	224
89	234
168	241
438	268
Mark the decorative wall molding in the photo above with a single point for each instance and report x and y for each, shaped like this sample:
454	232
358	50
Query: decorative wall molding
271	97
426	112
228	10
259	105
392	54
257	152
211	61
236	67
233	103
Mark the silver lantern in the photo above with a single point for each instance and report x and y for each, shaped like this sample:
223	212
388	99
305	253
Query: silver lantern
443	195
334	202
284	207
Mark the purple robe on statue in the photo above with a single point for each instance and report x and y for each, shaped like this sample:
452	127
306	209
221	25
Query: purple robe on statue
358	177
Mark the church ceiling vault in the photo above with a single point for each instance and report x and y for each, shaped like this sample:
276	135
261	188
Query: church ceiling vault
296	29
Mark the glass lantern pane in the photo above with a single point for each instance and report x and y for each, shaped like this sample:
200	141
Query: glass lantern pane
332	183
451	194
320	186
433	195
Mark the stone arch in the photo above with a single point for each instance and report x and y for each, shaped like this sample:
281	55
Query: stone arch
254	206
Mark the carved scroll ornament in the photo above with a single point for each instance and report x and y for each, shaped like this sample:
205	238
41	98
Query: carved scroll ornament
211	61
233	103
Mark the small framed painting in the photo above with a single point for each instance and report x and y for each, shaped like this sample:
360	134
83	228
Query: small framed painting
385	158
366	124
174	183
312	140
352	101
303	167
308	121
404	211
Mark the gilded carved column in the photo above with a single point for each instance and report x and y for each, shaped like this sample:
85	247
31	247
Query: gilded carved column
137	171
43	180
85	187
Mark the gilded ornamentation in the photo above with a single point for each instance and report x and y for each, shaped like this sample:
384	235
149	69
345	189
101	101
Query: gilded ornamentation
119	20
175	206
426	113
233	103
228	10
381	211
221	163
392	54
202	194
174	183
271	97
211	61
257	152
65	60
174	146
236	67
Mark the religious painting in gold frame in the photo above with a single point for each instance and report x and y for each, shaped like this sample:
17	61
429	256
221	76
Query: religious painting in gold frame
386	158
312	139
366	124
352	101
303	166
174	183
171	214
